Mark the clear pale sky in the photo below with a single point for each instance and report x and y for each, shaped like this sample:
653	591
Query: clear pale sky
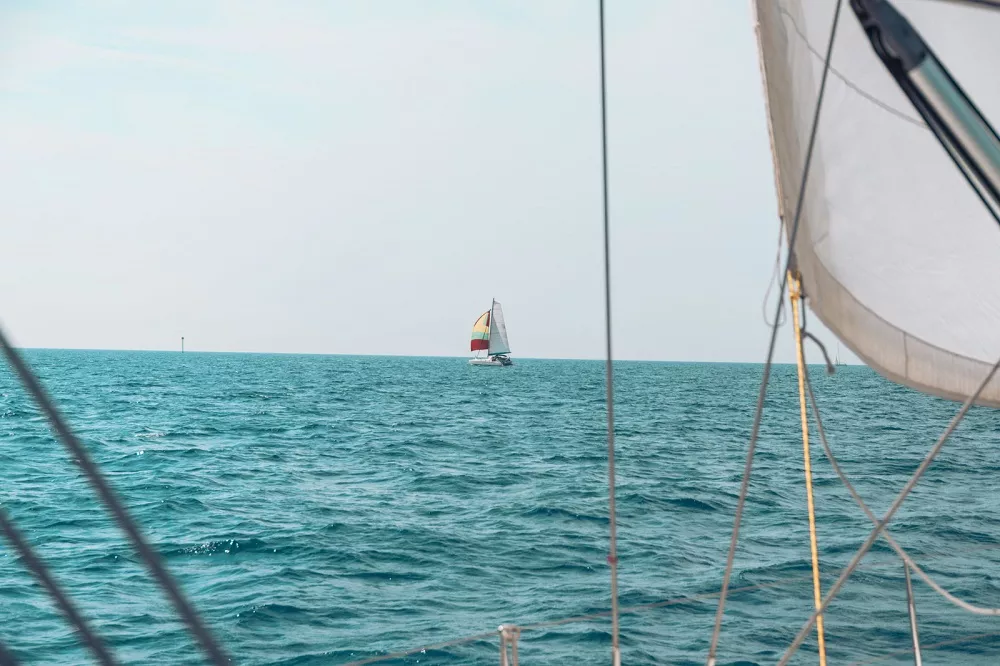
363	177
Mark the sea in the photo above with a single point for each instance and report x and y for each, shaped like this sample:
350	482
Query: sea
334	509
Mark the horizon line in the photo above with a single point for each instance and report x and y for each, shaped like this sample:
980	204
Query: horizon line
441	356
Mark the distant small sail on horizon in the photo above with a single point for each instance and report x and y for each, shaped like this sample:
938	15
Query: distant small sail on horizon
489	333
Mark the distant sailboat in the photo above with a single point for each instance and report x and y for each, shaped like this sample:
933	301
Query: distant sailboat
490	335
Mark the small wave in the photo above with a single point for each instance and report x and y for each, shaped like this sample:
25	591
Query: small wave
691	503
388	576
558	512
221	547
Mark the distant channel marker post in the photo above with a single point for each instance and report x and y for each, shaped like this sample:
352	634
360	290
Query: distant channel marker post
182	344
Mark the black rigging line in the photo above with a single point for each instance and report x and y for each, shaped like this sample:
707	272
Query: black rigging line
609	365
41	572
7	658
874	23
82	458
762	392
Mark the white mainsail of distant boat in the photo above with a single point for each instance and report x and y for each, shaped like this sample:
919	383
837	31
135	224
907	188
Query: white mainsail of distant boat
489	334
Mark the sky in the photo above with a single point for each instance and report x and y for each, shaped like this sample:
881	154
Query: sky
363	178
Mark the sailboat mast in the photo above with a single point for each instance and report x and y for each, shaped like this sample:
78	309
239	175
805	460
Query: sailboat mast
489	328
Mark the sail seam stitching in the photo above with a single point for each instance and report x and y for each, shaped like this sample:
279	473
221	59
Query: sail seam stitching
916	338
885	106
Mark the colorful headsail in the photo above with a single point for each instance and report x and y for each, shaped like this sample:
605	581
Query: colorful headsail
481	332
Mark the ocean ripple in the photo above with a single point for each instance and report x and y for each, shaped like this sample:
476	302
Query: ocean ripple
324	509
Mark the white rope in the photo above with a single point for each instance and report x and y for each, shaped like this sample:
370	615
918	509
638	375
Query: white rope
978	610
903	494
762	392
771	282
932	646
590	617
489	635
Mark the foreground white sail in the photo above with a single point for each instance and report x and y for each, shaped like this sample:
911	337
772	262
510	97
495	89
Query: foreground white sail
898	255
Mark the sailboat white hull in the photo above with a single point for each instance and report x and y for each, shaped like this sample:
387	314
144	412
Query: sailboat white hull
493	360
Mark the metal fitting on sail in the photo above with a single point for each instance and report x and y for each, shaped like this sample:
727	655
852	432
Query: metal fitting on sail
965	134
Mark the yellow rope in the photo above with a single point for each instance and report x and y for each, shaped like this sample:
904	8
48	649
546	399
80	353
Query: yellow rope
795	295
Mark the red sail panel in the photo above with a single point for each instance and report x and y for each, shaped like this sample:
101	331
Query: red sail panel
481	332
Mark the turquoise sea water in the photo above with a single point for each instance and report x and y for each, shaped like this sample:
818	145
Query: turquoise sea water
324	509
